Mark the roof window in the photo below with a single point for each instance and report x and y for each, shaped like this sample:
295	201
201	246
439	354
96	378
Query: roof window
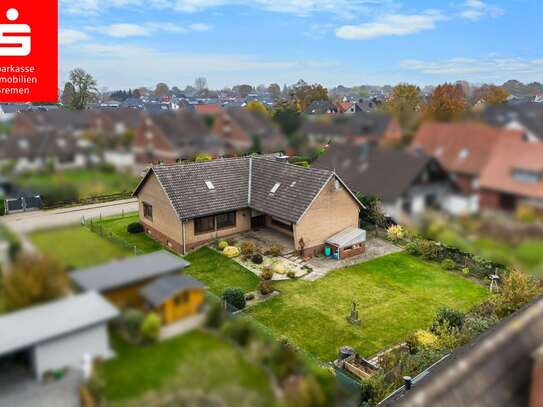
275	188
463	154
210	185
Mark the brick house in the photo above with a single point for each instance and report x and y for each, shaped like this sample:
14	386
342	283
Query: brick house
242	128
188	205
463	150
513	176
170	137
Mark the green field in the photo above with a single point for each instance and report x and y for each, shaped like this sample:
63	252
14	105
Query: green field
76	246
396	294
88	182
195	362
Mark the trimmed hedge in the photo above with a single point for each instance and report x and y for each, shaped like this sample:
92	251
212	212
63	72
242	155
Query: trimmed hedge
135	228
2	207
234	297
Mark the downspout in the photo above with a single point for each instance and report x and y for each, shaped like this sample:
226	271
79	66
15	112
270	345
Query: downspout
184	237
250	181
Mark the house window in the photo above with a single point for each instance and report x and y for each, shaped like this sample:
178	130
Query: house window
204	225
226	220
148	211
532	177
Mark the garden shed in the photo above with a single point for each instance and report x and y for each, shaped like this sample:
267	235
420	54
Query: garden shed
347	243
120	281
174	297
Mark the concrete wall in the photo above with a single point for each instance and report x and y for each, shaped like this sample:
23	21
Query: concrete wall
68	351
332	212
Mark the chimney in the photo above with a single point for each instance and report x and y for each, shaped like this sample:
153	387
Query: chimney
408	382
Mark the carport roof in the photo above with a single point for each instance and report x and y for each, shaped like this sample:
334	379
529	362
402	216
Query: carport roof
26	328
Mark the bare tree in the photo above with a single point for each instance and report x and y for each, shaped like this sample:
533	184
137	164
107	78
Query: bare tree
200	84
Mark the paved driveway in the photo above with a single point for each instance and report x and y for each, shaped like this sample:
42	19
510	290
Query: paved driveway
19	389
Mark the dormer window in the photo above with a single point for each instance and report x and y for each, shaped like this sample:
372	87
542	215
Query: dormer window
528	176
210	185
463	154
275	188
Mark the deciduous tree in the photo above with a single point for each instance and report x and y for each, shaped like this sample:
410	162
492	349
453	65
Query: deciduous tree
403	104
85	89
34	279
447	103
256	106
491	95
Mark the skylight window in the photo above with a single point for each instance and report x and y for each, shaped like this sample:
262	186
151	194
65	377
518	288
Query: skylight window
210	185
275	188
533	177
463	154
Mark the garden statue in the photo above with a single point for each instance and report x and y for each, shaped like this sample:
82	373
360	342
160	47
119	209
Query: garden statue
353	318
494	278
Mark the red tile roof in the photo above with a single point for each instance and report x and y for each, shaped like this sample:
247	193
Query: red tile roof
344	106
511	155
461	147
208	109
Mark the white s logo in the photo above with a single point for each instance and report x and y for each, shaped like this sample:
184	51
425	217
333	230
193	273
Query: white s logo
14	38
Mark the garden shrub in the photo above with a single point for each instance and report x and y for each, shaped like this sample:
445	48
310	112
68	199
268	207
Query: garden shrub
223	244
452	317
448	264
150	327
257	258
426	339
284	360
247	248
291	274
516	289
466	271
275	250
57	194
278	268
526	214
475	325
304	391
215	316
239	330
131	321
428	250
231	251
2	207
412	249
266	287
135	228
267	273
107	168
234	297
395	233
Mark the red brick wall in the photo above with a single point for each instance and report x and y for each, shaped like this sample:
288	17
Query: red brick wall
464	183
489	199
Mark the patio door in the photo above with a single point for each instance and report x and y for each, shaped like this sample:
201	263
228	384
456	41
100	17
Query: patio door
258	222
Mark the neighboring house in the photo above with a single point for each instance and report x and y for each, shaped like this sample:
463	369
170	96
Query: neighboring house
172	137
359	128
524	117
35	151
208	109
513	176
120	281
348	108
463	150
188	205
244	130
406	183
501	367
58	334
319	107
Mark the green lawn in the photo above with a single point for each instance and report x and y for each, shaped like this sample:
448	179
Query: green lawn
76	246
219	272
89	182
118	225
397	294
194	362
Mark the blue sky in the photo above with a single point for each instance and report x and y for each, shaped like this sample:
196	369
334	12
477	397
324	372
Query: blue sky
129	43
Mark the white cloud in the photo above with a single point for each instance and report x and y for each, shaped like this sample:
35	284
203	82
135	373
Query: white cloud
474	10
391	25
478	68
68	36
126	30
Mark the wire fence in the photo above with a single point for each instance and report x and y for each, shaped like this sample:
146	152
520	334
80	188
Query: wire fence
96	225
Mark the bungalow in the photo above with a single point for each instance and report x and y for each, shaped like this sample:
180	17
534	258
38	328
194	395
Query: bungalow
513	176
405	182
187	205
463	150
